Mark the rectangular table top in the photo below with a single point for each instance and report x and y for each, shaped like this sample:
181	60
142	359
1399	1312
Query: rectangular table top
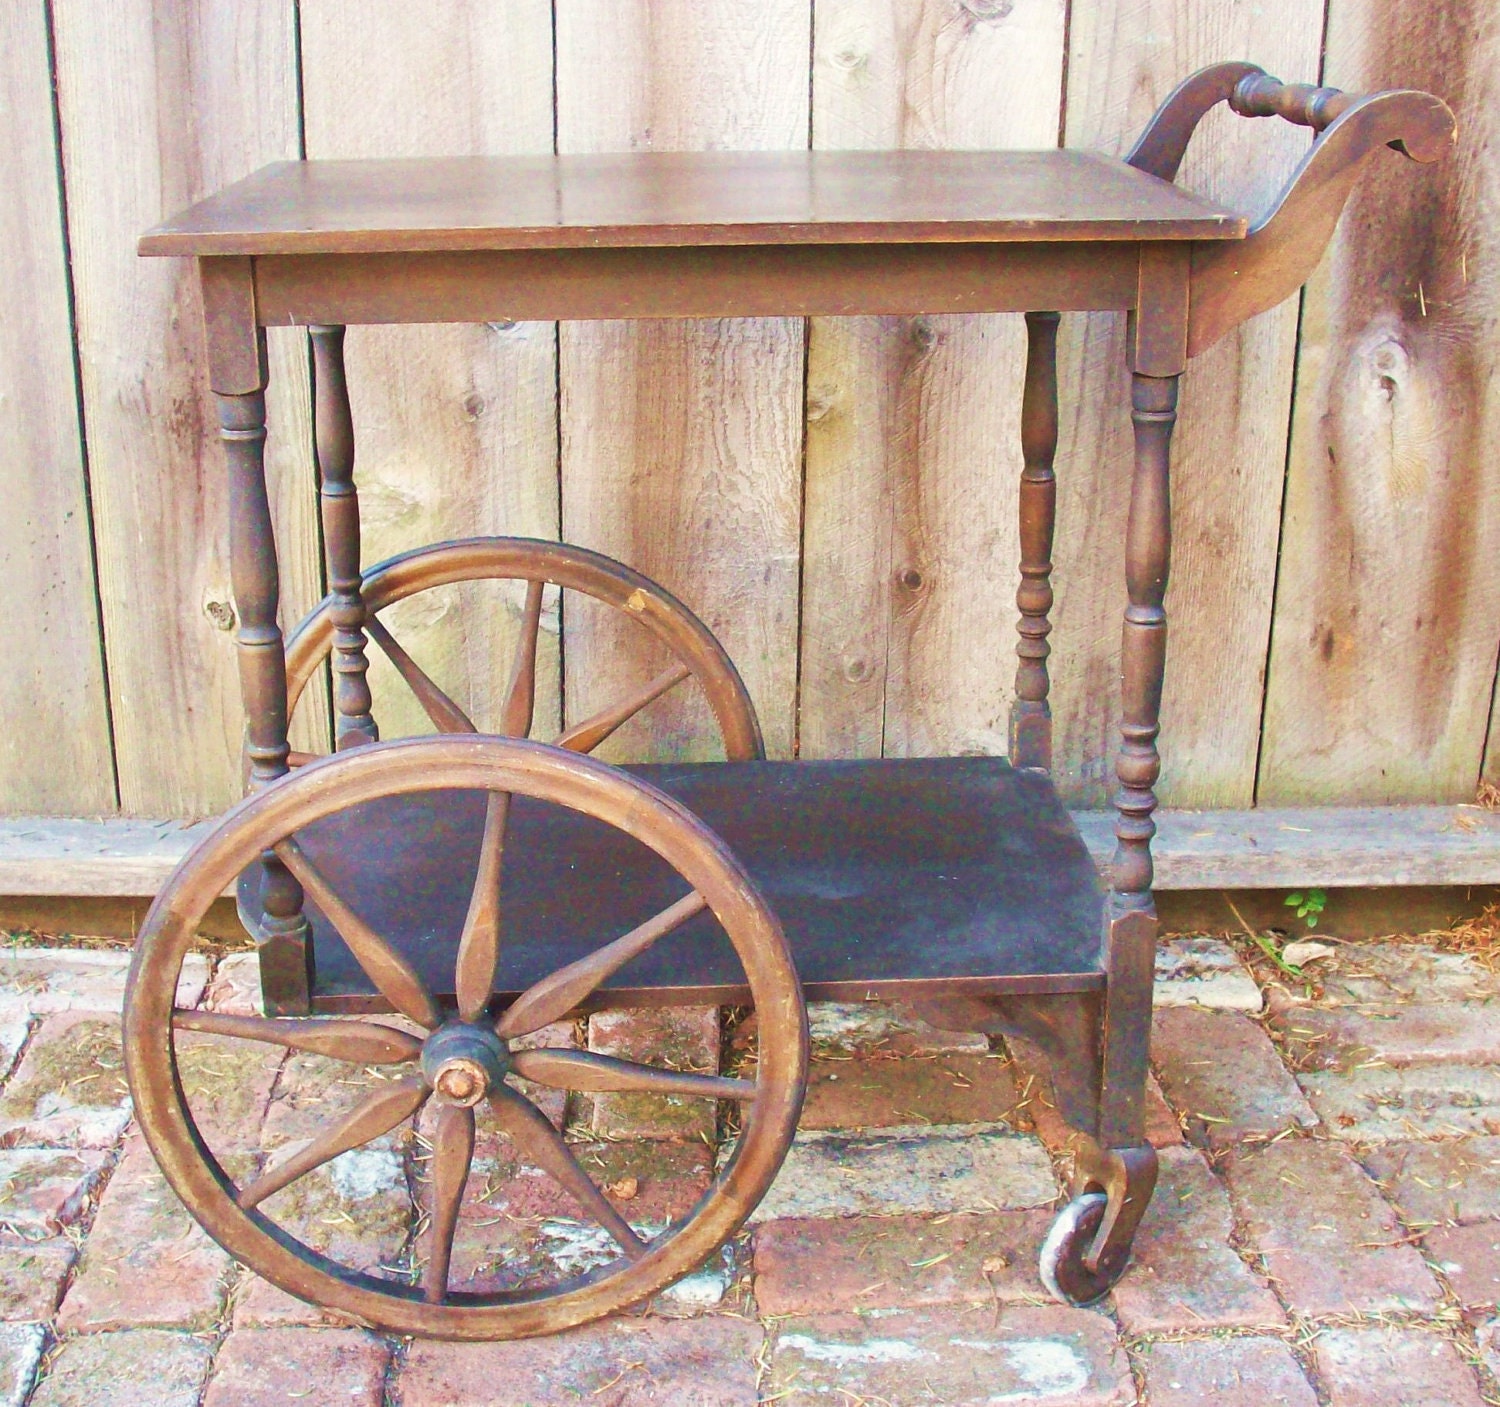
636	199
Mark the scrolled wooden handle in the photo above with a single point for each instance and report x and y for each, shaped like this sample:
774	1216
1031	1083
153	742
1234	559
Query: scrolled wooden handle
1260	95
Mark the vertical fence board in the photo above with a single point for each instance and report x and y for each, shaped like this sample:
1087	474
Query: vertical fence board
52	686
682	442
1229	451
913	451
455	427
162	101
1388	607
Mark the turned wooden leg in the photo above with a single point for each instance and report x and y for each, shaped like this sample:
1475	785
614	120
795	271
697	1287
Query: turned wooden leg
237	370
1130	924
1030	715
333	426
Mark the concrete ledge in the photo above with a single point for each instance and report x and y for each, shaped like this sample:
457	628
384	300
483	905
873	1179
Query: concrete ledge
1332	847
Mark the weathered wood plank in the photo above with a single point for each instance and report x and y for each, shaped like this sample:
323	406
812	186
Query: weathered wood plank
913	449
1388	606
682	443
1229	450
52	685
161	102
455	427
1331	847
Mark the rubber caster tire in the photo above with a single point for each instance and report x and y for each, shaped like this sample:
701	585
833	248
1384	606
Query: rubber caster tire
1062	1266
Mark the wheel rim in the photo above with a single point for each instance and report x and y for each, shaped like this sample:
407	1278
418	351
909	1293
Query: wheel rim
1063	1272
540	562
458	1058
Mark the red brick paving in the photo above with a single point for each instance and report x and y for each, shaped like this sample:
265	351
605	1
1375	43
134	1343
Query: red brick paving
1186	1273
678	1037
1332	1244
146	1263
1220	1372
1390	1367
950	1296
1221	1071
945	1089
961	1357
1469	1258
32	1274
163	1367
707	1362
813	1266
309	1367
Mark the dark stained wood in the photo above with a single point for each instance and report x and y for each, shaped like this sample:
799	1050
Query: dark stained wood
634	199
1284	246
361	1042
695	282
505	874
237	370
893	876
333	431
646	607
1143	652
1030	715
464	1064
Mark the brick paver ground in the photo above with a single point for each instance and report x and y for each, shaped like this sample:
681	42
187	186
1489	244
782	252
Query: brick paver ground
1326	1232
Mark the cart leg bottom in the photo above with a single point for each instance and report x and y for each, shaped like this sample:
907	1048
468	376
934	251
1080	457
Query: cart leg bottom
1088	1247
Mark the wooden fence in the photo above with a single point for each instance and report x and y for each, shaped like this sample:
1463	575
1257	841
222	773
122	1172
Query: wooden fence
836	497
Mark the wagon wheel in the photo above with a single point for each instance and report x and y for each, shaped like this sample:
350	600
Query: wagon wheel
696	654
462	1061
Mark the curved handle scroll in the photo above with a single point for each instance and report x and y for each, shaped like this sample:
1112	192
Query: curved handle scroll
1160	148
1233	280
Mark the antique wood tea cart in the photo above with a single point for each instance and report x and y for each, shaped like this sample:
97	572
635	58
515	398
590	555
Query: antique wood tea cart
482	887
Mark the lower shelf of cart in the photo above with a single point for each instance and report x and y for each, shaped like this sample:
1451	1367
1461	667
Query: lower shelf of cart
895	877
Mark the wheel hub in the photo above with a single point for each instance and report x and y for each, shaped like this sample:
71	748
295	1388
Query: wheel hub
463	1062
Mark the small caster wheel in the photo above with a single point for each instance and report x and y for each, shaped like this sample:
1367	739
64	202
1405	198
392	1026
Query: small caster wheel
1062	1268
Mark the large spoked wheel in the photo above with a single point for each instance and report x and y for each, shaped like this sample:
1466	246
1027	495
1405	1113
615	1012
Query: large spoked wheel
694	652
462	1062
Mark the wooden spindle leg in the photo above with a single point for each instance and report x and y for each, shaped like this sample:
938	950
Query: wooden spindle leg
284	941
333	426
1130	939
237	374
1030	715
1143	654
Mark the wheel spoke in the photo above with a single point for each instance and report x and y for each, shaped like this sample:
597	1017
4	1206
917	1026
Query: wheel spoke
586	736
446	716
379	1114
360	1042
393	976
556	995
520	698
452	1152
479	947
534	1135
586	1070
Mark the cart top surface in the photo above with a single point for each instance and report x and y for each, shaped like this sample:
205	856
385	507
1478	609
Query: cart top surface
636	199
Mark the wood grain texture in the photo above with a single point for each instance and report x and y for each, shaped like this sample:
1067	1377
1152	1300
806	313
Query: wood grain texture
1264	848
913	441
52	686
162	101
682	443
1229	450
455	427
1388	605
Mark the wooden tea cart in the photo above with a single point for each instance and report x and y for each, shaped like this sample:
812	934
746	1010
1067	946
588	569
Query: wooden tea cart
482	886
